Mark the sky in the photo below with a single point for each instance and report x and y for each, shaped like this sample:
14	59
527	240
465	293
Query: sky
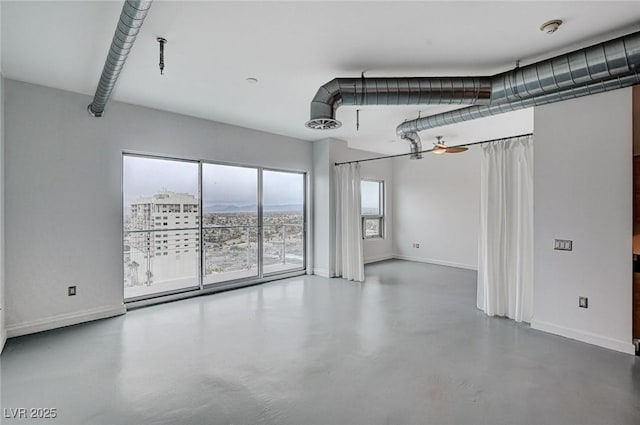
148	176
224	184
221	184
370	192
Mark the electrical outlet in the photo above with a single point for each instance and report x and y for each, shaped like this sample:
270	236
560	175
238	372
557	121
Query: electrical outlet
416	245
563	245
583	302
71	290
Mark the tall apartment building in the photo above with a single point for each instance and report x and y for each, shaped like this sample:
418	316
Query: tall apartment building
162	240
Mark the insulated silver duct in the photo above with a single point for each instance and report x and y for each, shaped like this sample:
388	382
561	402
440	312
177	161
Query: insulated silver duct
474	112
414	142
600	62
131	19
394	91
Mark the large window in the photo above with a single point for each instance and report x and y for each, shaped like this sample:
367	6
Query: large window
229	222
161	226
283	218
372	200
247	223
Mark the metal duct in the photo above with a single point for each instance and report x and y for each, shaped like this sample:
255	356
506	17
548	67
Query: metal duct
416	145
474	112
394	91
600	62
131	19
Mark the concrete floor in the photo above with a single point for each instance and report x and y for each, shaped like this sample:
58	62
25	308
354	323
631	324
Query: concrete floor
406	347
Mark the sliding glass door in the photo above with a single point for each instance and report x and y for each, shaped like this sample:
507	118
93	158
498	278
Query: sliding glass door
161	226
283	202
229	223
191	224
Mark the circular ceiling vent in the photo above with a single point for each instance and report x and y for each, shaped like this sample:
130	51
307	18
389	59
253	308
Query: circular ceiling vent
323	124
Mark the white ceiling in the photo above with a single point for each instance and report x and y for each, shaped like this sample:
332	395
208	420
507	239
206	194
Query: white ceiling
293	48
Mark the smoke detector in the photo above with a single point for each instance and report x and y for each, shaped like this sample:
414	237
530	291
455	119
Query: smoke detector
551	26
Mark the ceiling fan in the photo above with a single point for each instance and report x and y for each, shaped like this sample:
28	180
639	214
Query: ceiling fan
439	147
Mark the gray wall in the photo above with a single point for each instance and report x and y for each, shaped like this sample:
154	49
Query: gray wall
583	174
437	205
2	269
64	194
322	207
3	334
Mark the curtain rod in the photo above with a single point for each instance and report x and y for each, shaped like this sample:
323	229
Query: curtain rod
429	150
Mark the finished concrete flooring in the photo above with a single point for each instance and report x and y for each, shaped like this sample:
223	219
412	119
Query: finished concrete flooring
406	347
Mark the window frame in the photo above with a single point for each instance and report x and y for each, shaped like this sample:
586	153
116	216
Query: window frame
204	287
380	217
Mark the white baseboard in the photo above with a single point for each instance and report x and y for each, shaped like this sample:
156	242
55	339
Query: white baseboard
437	262
64	320
376	259
588	337
321	272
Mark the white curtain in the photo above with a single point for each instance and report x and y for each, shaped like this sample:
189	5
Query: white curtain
349	256
505	264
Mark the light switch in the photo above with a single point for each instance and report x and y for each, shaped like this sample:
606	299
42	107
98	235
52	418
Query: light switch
563	245
583	302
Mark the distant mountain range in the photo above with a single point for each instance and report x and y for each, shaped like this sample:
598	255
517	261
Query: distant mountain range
233	207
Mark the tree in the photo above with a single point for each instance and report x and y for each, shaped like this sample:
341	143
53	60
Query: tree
133	272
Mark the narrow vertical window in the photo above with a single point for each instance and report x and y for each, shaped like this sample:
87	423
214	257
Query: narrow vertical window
372	193
283	221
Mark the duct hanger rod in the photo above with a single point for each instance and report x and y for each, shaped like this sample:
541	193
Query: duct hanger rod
162	42
429	150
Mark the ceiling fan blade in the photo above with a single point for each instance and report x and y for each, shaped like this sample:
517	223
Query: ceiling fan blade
455	149
440	145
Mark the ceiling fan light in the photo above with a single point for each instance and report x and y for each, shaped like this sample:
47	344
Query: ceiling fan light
439	147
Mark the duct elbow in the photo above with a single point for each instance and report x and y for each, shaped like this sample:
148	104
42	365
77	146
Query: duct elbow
415	144
405	128
322	116
324	106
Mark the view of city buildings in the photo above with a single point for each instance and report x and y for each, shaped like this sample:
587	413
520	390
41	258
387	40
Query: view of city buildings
162	241
162	229
283	240
231	243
